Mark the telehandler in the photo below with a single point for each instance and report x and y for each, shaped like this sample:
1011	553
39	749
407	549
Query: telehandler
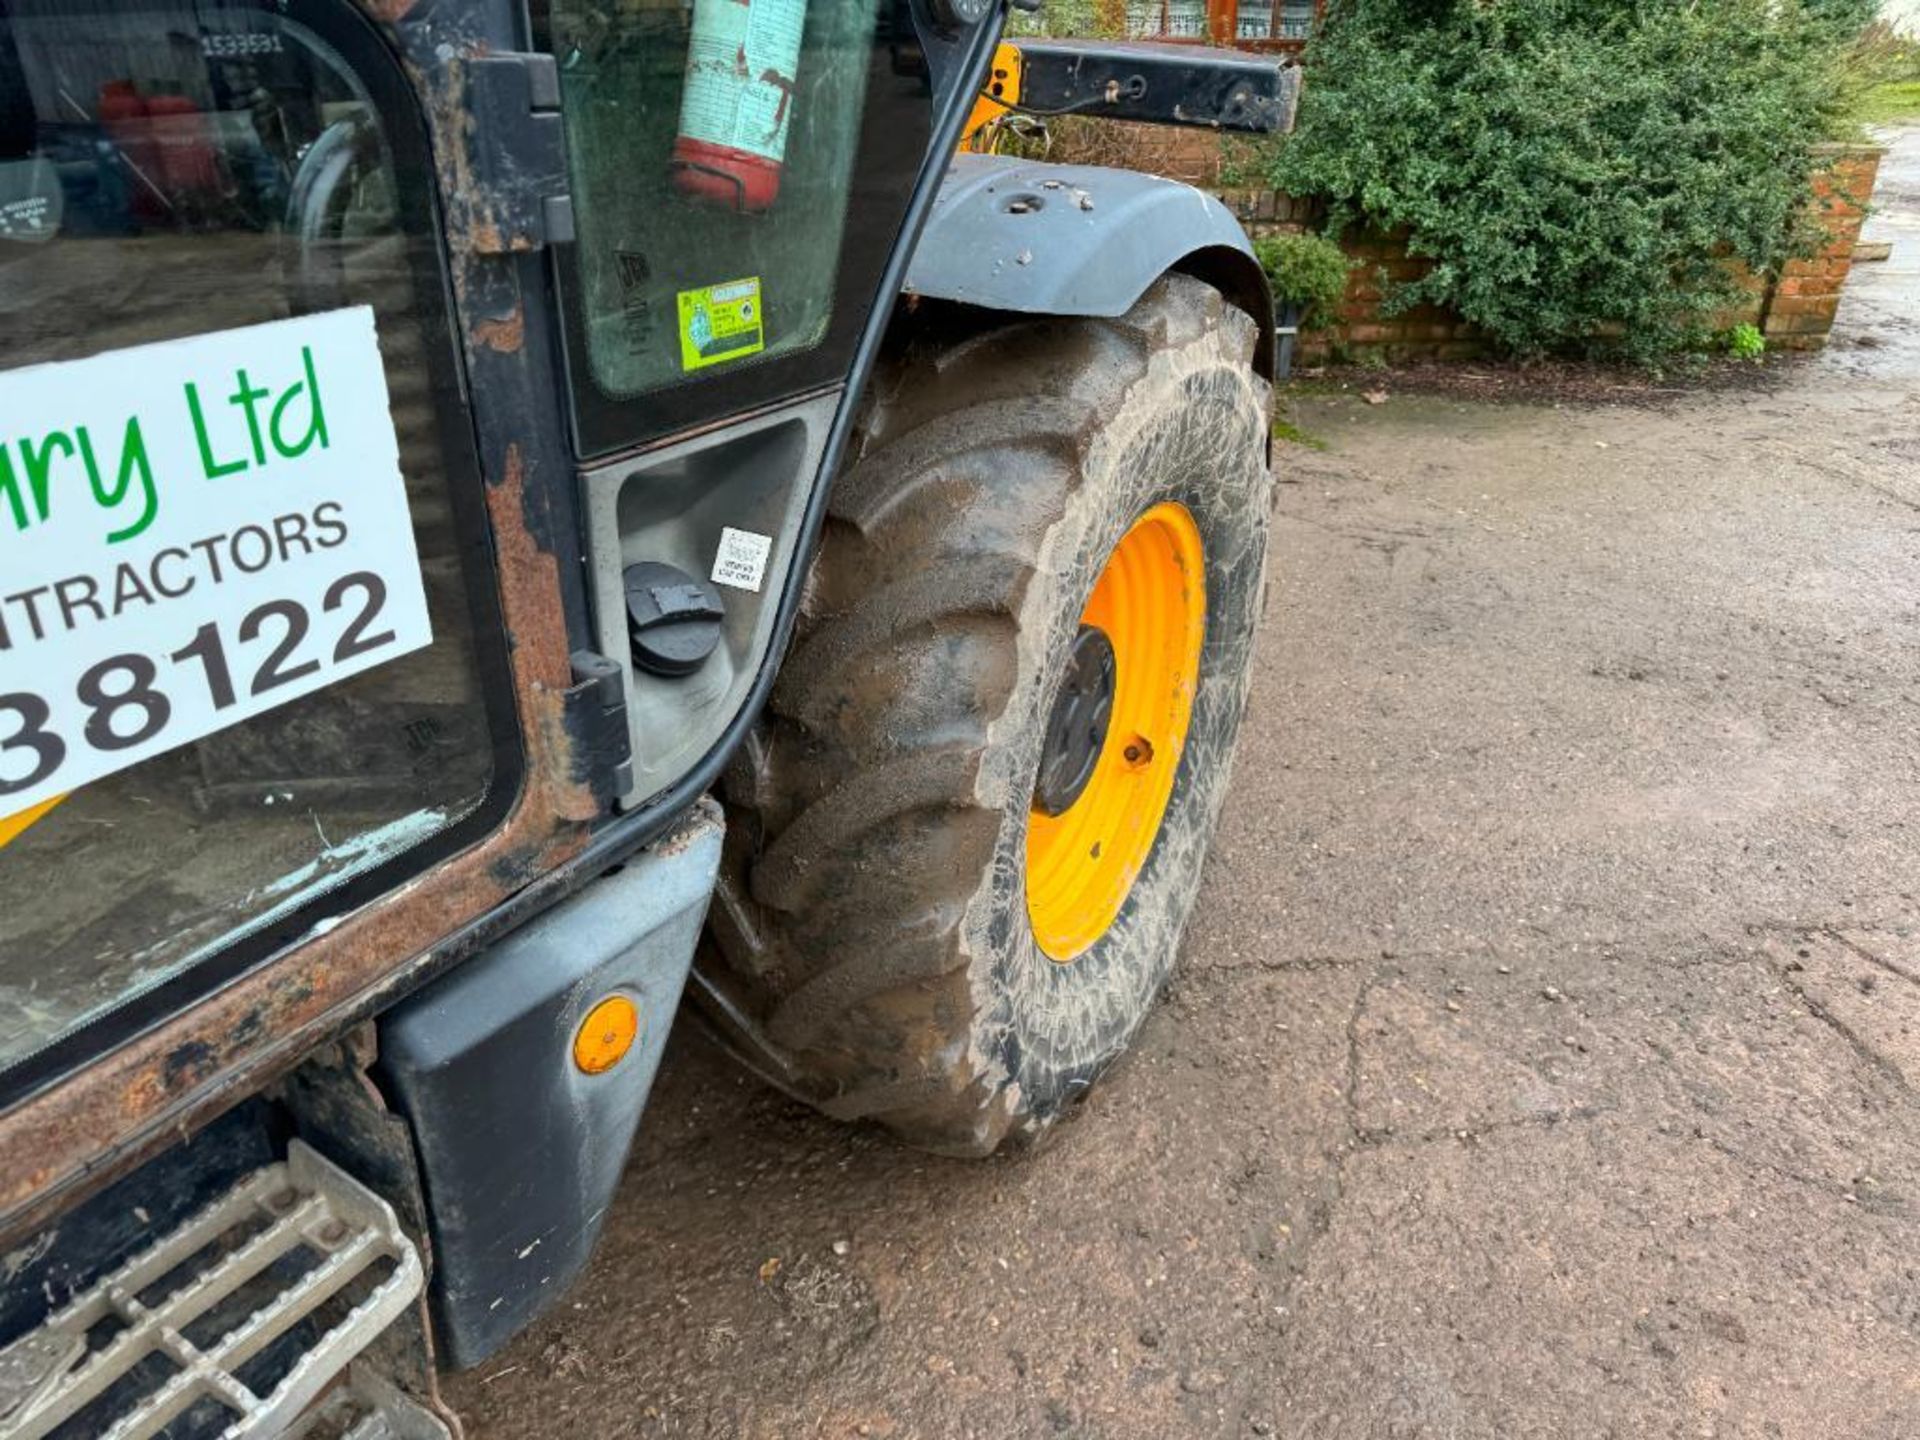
508	514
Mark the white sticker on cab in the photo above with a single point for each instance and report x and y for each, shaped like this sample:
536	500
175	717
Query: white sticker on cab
192	533
742	558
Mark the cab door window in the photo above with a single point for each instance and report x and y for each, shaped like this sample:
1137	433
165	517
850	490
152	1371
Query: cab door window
180	172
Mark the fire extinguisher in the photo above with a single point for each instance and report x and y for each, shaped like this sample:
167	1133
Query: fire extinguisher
738	102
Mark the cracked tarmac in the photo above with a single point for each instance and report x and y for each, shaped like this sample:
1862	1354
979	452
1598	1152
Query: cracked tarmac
1546	1055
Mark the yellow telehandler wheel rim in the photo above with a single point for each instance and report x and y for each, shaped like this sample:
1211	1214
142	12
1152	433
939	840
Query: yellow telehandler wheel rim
1149	609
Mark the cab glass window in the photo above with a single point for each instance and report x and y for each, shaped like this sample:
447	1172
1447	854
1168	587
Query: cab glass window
739	175
179	172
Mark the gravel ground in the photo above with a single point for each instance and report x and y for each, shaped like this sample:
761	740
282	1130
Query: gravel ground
1546	1059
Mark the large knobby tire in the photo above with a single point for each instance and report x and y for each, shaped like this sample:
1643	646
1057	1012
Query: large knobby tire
872	945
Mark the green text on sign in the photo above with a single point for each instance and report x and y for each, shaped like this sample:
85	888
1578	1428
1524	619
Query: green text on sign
720	323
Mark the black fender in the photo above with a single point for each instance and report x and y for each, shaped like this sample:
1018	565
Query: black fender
1032	238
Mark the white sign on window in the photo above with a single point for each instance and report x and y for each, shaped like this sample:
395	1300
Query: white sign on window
192	533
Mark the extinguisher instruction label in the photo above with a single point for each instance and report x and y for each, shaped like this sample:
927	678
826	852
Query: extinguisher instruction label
741	64
721	322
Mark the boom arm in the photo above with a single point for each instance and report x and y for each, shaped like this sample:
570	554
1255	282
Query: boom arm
1157	84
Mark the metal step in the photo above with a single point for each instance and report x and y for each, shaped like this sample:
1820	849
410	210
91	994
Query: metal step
233	1325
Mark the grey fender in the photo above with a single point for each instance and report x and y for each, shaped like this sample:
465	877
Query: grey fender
1038	239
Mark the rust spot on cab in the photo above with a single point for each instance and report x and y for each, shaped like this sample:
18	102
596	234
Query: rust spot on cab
543	657
502	334
188	1065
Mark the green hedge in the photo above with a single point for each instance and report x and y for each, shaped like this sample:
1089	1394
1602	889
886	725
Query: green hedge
1579	170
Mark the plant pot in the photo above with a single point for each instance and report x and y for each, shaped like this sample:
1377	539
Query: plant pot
1286	332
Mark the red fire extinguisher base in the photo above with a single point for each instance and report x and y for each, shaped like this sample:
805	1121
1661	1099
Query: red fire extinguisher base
734	178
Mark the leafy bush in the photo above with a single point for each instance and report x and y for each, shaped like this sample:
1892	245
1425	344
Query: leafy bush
1309	271
1745	342
1580	171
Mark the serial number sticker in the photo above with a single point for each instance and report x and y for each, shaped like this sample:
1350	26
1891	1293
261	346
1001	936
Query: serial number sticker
192	533
721	322
236	44
742	558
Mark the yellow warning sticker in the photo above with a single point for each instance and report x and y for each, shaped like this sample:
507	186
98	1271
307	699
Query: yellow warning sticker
720	323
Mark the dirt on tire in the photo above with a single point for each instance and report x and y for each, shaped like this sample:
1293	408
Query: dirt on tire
871	928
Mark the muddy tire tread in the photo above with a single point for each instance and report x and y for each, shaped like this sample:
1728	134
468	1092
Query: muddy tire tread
834	792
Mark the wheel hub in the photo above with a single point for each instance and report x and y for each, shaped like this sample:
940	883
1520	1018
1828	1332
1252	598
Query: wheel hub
1077	728
1116	731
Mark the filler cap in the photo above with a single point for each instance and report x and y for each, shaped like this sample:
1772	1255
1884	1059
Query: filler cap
673	618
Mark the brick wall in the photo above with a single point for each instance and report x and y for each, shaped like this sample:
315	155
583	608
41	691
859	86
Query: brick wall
1795	312
1381	263
1798	311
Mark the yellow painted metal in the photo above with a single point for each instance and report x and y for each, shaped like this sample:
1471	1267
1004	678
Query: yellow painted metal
1151	601
996	100
12	826
606	1035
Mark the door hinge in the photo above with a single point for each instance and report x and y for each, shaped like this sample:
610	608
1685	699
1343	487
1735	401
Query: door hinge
596	722
519	154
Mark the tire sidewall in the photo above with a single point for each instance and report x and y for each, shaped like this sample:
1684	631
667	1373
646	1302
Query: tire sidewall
1193	431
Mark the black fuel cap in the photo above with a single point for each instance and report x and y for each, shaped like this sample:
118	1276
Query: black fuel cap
673	618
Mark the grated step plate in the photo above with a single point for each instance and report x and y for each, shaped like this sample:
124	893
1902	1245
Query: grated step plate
234	1324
